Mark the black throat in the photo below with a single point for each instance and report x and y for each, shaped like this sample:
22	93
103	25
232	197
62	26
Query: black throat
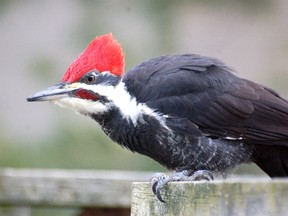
143	137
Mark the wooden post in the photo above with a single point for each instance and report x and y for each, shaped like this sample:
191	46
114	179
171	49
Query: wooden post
255	197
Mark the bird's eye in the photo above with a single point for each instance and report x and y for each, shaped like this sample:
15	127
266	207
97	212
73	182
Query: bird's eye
90	79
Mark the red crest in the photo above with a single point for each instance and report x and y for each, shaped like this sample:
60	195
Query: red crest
103	53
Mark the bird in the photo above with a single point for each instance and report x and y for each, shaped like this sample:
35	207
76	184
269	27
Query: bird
188	112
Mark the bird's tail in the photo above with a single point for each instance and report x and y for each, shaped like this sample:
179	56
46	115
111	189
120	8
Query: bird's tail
273	160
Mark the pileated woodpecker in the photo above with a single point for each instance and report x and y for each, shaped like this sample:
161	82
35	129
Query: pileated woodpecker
188	112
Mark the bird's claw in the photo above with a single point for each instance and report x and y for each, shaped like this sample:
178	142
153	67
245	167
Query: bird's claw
160	180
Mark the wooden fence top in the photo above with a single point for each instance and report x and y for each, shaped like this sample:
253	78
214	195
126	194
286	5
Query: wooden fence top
112	189
237	197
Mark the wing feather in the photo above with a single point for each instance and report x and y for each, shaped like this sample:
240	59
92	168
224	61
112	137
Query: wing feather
204	91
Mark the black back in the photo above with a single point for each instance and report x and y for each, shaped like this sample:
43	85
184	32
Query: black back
204	91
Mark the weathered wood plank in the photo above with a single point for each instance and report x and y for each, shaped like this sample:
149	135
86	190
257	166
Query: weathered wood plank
255	197
65	188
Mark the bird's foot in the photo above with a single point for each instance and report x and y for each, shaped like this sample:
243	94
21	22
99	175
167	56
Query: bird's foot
160	180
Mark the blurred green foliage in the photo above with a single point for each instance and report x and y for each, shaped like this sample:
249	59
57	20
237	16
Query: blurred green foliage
73	148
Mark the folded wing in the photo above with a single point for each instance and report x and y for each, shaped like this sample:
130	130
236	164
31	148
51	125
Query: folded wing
204	91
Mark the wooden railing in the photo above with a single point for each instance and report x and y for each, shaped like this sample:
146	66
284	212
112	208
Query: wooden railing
21	189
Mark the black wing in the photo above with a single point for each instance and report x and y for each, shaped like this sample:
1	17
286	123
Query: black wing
204	91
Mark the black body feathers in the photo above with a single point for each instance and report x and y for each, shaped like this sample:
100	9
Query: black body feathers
214	114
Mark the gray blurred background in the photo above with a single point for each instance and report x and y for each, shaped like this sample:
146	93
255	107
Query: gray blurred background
39	39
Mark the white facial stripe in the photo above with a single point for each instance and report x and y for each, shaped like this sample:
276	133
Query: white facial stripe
118	96
81	106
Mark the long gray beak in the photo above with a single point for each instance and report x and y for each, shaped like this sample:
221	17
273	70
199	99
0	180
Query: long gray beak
53	93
